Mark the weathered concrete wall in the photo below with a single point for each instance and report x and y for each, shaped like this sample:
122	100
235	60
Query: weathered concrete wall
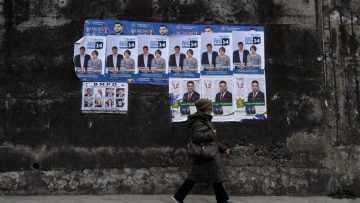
308	146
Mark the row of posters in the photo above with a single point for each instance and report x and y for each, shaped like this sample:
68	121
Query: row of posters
152	59
93	27
235	98
104	97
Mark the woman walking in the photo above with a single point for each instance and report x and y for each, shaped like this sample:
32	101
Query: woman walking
205	170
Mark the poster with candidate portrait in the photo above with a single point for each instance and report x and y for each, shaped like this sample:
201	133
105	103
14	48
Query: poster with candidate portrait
249	52
249	97
184	92
220	91
121	57
104	97
184	59
89	57
216	49
153	56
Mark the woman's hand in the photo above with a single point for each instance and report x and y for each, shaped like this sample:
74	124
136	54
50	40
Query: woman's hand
215	132
227	152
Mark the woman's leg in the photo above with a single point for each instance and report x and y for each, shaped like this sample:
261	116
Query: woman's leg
184	190
221	195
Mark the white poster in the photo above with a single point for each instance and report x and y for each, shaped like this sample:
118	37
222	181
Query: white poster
184	92
121	54
153	54
249	51
216	49
249	96
185	54
89	55
220	91
104	97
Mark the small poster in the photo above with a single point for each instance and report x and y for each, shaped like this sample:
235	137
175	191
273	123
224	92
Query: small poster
216	49
104	97
184	92
89	57
185	56
249	97
220	91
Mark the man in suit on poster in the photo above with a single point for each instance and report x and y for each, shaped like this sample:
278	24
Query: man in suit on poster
240	56
118	29
223	95
208	58
113	60
144	60
256	95
177	59
81	60
191	95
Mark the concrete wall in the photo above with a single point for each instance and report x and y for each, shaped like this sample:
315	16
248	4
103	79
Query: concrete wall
308	146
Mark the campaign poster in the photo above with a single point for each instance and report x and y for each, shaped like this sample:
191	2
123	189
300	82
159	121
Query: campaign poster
249	97
121	57
184	58
184	92
104	97
220	91
216	49
249	52
153	56
89	57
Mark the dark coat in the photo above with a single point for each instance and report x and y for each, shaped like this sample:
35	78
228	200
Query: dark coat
236	57
260	97
227	97
209	171
77	62
141	60
194	97
110	61
172	60
205	58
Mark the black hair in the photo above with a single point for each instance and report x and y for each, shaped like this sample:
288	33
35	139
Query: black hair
240	43
209	45
164	26
114	47
127	51
253	47
255	81
96	52
158	51
82	47
145	47
176	47
191	51
207	27
222	48
223	81
118	23
190	82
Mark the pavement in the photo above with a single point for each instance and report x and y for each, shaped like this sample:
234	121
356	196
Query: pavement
166	199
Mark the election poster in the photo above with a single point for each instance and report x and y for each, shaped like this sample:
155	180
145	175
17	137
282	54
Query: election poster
121	57
216	50
89	57
95	27
184	92
220	91
153	56
249	96
104	97
184	59
249	52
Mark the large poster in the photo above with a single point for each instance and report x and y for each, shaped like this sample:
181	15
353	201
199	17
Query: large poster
249	53
104	97
216	49
121	56
185	56
249	97
153	56
184	92
89	57
220	91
